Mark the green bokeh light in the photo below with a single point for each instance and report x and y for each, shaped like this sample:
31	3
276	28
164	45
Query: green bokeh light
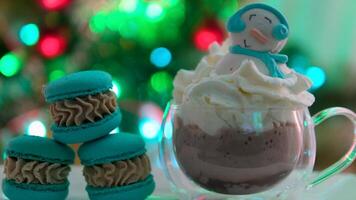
29	34
114	20
161	82
143	21
10	64
97	22
56	74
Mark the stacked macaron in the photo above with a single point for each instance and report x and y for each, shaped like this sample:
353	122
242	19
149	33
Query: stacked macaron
36	168
82	106
84	110
116	167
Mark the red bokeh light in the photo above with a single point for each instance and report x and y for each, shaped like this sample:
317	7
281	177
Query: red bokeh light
206	36
51	46
54	4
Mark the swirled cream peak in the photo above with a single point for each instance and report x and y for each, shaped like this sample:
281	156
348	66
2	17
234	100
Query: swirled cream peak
118	173
83	109
26	171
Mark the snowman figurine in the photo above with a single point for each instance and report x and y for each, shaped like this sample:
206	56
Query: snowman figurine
258	33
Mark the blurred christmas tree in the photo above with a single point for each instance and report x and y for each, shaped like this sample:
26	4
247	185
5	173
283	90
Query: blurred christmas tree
142	43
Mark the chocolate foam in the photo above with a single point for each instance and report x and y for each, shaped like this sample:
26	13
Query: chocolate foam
118	173
83	109
28	171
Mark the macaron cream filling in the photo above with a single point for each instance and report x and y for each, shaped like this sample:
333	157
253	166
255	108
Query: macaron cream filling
83	109
35	172
118	173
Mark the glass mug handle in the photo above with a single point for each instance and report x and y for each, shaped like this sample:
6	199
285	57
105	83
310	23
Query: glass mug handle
349	157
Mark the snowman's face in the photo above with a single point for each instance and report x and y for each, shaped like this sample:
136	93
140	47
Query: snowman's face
258	32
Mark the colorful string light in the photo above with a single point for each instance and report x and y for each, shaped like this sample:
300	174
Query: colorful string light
56	74
154	11
52	45
53	5
36	128
160	57
161	82
10	64
149	128
141	20
116	88
206	36
317	75
29	34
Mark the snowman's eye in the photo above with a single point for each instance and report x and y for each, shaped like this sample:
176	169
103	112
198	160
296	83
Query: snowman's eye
269	20
251	16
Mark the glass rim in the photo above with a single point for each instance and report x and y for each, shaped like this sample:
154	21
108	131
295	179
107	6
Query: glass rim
175	106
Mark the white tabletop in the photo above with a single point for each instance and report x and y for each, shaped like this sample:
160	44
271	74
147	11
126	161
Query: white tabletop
341	187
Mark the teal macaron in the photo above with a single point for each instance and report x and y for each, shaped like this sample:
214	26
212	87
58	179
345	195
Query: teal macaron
36	168
82	106
117	167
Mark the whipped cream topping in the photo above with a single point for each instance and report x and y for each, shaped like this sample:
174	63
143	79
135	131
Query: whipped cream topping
207	98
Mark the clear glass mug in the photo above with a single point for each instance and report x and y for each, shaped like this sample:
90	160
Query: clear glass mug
246	154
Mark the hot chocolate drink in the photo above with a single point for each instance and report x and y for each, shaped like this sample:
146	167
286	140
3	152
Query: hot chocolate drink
238	119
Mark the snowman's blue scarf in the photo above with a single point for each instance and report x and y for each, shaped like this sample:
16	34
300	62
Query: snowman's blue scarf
269	59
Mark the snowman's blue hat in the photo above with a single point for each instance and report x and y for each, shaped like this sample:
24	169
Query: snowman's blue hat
236	25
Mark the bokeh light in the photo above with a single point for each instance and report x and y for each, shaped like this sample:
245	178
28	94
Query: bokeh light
29	34
161	82
54	4
317	75
160	57
116	88
150	110
10	64
56	74
97	22
149	128
128	5
51	46
154	11
36	128
145	22
204	37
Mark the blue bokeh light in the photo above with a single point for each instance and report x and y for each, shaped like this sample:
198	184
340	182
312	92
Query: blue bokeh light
29	34
149	128
161	57
317	75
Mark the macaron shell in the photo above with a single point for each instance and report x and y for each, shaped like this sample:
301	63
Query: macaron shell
87	132
114	147
40	149
136	191
78	84
16	191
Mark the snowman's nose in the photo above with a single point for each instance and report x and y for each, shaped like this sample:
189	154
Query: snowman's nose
258	35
